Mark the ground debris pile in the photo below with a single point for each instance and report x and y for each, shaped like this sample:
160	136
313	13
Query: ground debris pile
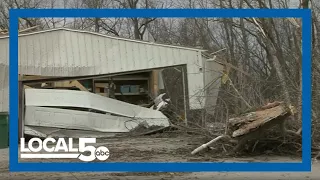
261	130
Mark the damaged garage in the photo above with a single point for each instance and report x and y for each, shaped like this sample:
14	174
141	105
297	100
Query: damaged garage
65	77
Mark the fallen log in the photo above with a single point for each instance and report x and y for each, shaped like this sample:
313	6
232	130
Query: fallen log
252	125
266	116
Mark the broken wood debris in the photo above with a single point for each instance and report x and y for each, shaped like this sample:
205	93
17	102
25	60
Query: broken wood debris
69	84
271	114
251	125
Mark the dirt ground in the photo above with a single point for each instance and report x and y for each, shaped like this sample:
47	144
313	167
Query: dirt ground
161	148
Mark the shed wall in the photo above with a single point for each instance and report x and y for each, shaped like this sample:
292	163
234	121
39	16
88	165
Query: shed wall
64	52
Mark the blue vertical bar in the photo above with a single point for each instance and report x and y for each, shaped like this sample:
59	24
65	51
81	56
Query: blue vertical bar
306	88
13	89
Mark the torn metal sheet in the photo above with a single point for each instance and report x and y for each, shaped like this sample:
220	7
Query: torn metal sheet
82	99
81	110
73	119
160	102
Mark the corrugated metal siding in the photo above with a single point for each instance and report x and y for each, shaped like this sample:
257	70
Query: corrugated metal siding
213	72
74	53
70	53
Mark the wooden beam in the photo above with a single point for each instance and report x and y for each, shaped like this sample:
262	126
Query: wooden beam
154	82
101	85
70	84
32	77
131	78
78	85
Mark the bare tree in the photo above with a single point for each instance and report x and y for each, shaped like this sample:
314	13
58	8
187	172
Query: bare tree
140	25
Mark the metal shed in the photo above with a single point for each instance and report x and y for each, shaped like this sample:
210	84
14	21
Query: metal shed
67	52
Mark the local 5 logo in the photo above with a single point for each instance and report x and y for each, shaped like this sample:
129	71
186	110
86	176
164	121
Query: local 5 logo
63	149
101	153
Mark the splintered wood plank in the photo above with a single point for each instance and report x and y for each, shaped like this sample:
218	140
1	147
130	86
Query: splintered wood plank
78	85
253	121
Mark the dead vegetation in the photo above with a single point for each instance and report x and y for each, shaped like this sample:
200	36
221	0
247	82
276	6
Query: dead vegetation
254	127
261	131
